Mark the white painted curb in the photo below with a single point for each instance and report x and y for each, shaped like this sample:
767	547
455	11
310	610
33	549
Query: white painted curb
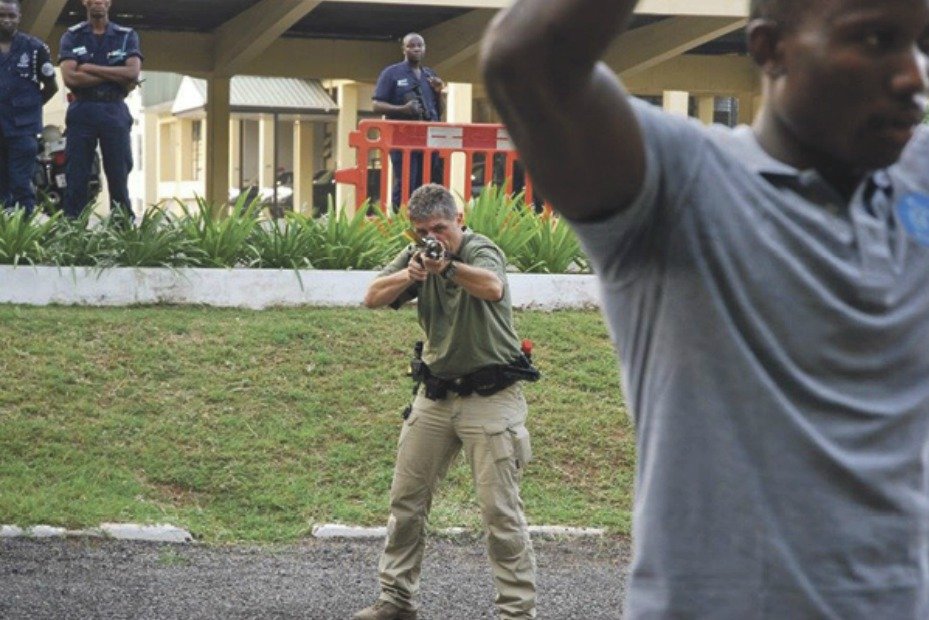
248	288
172	534
336	530
118	531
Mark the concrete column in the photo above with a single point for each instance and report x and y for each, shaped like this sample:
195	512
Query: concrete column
217	140
266	172
345	155
676	102
706	107
235	153
187	150
746	108
151	160
166	146
177	140
460	110
304	138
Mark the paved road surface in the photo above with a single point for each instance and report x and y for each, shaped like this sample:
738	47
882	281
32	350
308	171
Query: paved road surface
316	580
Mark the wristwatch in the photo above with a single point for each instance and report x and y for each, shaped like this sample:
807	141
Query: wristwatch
449	272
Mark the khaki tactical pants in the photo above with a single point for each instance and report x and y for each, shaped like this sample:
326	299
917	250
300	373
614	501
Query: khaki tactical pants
491	430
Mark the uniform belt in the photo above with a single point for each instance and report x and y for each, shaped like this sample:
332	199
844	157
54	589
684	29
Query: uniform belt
99	97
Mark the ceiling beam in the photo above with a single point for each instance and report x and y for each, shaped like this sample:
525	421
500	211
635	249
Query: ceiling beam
244	37
718	8
455	40
39	17
704	8
698	75
637	50
333	59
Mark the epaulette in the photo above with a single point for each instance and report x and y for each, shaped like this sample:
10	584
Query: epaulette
122	28
77	27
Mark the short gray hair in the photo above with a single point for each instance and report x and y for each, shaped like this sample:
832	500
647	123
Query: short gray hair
432	200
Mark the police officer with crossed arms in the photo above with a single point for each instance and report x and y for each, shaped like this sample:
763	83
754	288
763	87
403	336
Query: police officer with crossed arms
27	82
100	63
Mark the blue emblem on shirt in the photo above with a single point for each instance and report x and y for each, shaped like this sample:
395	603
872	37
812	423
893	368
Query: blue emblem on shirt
913	210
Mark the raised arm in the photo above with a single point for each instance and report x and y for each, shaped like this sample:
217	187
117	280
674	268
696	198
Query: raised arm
567	113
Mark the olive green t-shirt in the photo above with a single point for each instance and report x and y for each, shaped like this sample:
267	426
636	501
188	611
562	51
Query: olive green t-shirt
463	333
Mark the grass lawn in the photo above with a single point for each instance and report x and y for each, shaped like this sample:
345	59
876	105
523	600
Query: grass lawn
252	426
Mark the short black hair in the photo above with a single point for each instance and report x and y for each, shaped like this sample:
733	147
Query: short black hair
786	11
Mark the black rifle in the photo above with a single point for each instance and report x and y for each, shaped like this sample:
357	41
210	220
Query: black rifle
417	372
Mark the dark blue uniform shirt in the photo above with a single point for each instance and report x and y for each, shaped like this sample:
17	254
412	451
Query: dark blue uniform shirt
110	49
22	71
99	115
397	84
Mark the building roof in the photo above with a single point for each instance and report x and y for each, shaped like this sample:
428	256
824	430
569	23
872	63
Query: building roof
260	95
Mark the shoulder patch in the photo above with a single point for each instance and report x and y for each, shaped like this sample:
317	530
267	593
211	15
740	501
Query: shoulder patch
913	210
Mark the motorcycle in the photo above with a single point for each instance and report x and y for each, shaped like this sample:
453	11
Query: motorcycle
50	164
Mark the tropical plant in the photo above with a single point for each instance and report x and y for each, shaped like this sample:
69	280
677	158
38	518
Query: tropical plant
154	241
223	240
396	229
554	248
501	217
227	236
343	242
22	239
531	242
73	244
284	243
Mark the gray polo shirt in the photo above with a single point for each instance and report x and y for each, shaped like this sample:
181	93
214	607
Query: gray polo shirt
774	343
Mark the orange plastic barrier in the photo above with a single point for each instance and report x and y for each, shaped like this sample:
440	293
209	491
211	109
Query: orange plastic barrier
381	136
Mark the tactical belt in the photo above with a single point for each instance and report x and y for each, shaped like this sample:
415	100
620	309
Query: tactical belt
484	381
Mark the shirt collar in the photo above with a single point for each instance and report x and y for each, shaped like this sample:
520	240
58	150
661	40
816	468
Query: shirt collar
750	152
87	28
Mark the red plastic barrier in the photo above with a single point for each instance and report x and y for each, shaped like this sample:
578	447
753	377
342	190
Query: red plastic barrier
443	138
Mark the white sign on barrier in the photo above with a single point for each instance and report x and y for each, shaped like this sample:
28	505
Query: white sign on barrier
445	137
503	141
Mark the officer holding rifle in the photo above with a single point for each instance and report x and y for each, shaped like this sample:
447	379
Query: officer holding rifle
409	91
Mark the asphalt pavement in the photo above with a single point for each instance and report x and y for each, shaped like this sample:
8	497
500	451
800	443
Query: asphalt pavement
90	578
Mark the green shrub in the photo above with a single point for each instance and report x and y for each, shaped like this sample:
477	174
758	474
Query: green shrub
554	248
211	235
501	217
222	240
72	244
22	238
357	242
284	243
154	241
532	243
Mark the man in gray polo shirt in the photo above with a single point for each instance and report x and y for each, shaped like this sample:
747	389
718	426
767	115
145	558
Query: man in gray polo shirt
767	289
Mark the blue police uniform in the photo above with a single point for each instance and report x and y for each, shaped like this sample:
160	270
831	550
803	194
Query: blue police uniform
22	71
396	85
98	113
